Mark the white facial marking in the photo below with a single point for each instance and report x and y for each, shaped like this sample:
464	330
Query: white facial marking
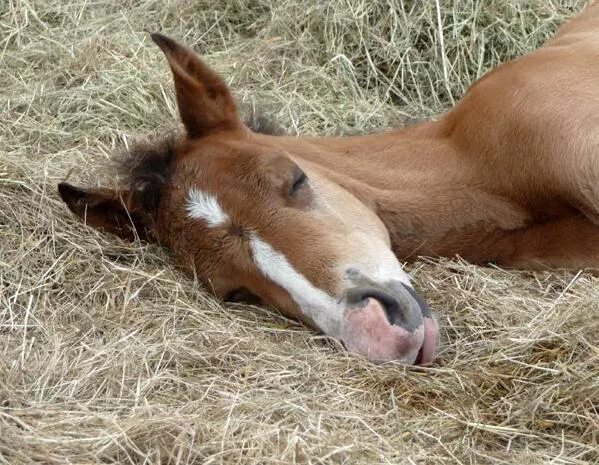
376	261
316	304
203	206
390	270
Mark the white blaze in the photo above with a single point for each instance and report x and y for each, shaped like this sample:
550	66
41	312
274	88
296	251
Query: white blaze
203	206
316	304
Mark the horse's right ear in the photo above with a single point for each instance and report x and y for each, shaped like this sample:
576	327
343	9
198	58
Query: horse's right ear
116	212
204	101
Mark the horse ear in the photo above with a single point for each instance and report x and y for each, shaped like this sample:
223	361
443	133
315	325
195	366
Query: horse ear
112	211
204	101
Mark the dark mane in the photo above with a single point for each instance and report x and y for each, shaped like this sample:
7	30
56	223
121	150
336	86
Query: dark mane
145	168
262	124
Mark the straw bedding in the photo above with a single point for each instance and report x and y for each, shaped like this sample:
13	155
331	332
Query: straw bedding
109	355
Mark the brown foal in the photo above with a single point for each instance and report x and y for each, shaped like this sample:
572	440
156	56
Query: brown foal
315	226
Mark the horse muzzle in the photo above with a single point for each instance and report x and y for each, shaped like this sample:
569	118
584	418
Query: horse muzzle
389	324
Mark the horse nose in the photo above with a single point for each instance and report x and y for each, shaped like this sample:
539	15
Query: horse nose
399	309
389	323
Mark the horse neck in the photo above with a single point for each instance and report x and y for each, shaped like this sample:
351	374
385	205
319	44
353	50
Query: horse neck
389	171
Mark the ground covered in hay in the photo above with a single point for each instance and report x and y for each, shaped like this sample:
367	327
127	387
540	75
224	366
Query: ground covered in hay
109	355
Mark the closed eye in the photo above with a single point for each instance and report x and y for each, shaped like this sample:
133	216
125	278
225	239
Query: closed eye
299	181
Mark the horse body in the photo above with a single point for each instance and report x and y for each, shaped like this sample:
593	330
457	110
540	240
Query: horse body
315	226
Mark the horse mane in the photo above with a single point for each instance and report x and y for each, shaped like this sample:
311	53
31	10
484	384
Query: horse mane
260	123
145	167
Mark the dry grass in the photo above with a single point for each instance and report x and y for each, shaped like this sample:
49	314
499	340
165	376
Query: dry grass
109	355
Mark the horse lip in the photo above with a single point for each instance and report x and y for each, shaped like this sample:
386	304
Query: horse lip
430	342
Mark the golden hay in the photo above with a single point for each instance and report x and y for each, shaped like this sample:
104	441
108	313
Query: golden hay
109	355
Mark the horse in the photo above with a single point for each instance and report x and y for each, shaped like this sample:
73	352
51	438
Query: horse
316	227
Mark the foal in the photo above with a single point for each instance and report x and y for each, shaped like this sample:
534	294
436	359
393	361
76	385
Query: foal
314	226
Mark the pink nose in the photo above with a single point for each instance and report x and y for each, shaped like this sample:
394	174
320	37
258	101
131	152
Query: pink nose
367	330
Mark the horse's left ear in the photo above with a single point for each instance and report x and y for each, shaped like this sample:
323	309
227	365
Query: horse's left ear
205	103
116	212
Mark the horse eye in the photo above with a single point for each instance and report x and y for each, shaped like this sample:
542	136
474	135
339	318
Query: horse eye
241	296
299	181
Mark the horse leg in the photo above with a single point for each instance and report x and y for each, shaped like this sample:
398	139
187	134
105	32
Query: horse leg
571	242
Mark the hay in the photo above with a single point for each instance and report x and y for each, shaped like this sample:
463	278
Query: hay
108	355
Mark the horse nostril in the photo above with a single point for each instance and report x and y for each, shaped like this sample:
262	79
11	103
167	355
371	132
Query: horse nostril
390	305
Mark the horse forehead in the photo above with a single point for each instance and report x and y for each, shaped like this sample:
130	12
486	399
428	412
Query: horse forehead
218	168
